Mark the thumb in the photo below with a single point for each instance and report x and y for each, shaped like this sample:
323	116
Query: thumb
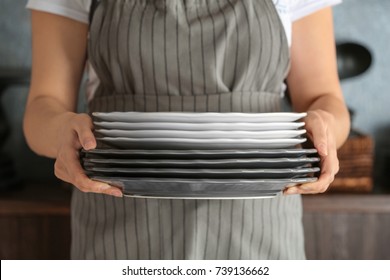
317	132
84	128
87	139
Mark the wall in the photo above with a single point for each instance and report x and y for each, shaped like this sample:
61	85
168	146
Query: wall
361	21
15	53
368	23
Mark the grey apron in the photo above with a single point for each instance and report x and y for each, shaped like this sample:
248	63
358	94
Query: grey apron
187	55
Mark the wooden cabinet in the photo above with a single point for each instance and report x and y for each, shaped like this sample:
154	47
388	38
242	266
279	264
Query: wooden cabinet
337	226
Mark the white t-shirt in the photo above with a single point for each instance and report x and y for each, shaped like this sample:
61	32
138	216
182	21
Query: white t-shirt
288	10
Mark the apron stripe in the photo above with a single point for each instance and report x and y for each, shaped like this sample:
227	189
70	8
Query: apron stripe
94	228
115	227
148	228
242	230
172	239
154	53
137	241
121	48
196	213
249	32
83	214
237	43
278	227
219	228
184	227
229	244
263	226
87	236
253	236
106	49
74	229
104	227
225	40
178	53
214	48
116	41
201	35
125	233
165	53
142	72
260	55
271	228
162	252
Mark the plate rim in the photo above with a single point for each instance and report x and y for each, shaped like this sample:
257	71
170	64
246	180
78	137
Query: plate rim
262	125
200	116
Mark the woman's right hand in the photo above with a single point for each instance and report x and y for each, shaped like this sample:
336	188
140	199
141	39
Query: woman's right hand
76	133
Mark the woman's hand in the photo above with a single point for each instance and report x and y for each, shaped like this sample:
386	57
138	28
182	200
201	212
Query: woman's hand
319	126
76	133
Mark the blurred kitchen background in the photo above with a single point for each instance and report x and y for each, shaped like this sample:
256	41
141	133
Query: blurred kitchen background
357	22
15	61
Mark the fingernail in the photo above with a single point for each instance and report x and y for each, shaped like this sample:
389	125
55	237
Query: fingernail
291	191
104	187
117	193
89	144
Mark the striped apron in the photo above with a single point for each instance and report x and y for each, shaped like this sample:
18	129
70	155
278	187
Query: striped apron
198	56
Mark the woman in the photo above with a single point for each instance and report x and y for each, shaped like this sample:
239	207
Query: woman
182	55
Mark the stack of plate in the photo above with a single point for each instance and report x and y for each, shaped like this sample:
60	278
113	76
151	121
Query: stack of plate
200	155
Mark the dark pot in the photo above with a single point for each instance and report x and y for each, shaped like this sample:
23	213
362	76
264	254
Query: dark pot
352	59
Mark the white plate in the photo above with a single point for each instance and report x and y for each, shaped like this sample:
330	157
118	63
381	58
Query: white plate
197	154
198	126
199	163
267	173
182	143
274	134
183	117
201	189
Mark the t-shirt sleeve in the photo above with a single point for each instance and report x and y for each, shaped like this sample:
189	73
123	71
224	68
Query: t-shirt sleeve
302	8
74	9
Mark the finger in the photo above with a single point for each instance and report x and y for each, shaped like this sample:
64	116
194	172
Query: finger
329	169
77	177
99	187
60	172
85	134
85	184
321	185
291	190
334	157
317	132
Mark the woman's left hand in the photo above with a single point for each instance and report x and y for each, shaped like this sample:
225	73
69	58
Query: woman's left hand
319	124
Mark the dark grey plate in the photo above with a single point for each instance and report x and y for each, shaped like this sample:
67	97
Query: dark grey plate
204	173
198	154
201	195
196	188
203	163
203	134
